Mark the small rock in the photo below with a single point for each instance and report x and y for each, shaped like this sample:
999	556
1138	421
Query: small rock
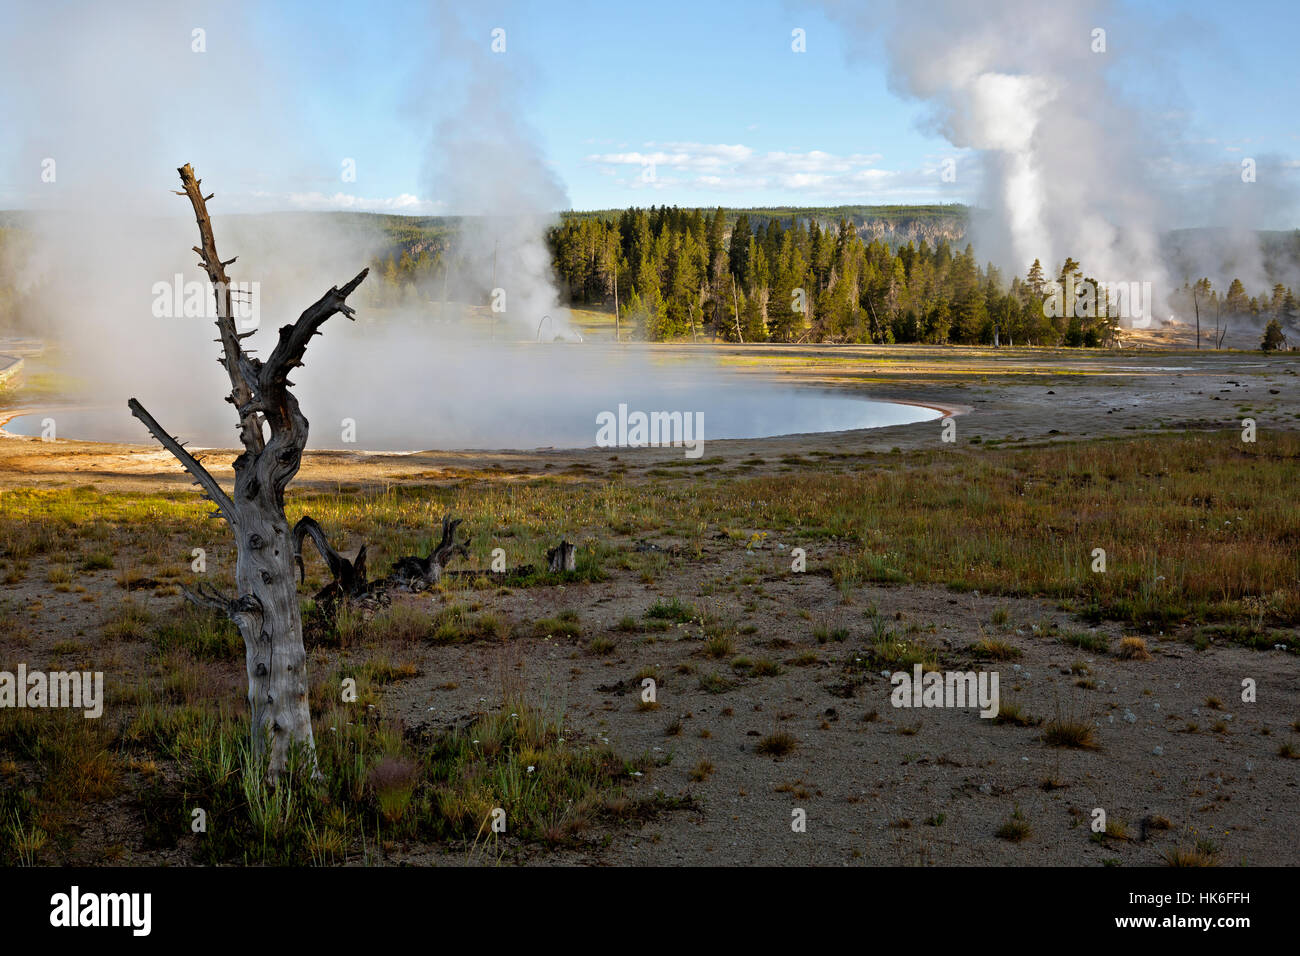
1159	751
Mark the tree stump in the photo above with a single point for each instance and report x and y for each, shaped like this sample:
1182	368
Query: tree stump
562	557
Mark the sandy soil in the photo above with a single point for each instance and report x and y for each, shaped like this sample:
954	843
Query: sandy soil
879	784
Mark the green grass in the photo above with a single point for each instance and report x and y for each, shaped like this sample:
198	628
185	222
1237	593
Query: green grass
379	787
203	634
1005	521
564	624
673	610
1096	643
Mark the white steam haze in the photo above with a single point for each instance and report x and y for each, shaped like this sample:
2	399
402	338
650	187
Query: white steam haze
118	98
485	162
1070	160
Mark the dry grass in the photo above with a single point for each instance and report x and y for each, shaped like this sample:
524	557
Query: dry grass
995	649
1067	732
776	744
1016	829
1133	649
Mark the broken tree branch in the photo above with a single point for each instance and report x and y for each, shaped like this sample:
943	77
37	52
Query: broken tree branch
235	361
348	575
293	341
201	475
419	573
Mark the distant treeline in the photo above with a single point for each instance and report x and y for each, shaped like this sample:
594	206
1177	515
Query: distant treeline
783	275
687	273
789	275
954	216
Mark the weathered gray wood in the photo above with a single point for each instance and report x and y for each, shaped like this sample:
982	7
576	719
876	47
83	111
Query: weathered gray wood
266	609
349	576
562	557
419	573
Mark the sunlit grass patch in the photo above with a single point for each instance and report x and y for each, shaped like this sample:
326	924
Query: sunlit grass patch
673	610
995	649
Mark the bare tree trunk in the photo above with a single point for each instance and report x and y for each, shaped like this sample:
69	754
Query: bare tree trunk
735	298
265	607
1196	305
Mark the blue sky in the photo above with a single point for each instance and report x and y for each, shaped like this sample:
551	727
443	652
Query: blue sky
688	103
714	92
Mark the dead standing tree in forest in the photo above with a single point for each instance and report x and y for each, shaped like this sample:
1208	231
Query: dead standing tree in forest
265	607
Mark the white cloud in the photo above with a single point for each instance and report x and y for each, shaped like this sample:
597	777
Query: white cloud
405	204
733	167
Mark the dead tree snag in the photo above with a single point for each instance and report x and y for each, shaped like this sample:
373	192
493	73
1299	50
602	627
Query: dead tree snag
420	573
266	606
349	576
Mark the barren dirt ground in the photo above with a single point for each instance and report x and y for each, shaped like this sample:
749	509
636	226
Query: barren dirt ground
879	784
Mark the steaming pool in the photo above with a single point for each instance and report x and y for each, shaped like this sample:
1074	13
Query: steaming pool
568	422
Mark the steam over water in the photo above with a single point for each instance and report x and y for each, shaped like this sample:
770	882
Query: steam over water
496	397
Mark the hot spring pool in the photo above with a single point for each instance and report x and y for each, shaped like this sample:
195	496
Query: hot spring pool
569	421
